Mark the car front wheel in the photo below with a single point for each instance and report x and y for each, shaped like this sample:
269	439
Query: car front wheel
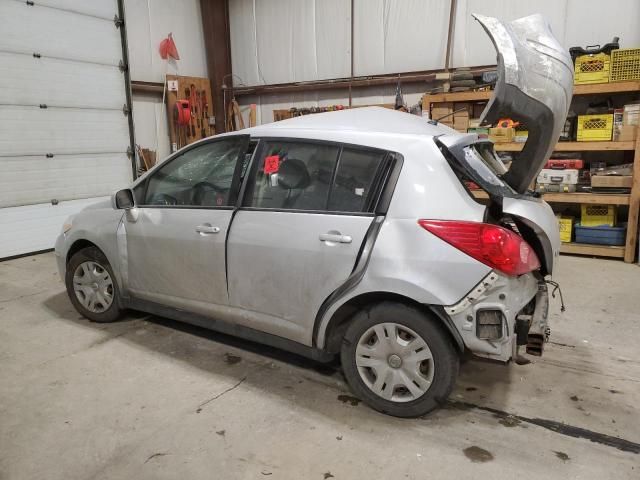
91	286
399	360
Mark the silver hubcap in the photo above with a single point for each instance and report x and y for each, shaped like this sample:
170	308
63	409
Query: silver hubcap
394	362
93	287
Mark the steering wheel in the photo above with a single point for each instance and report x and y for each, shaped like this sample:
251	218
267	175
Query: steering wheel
163	199
200	189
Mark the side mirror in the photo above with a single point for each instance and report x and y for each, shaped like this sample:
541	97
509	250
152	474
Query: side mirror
124	199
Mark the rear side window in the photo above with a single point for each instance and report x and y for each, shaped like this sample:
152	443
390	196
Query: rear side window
314	176
295	176
355	179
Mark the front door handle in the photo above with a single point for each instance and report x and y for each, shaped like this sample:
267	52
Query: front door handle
207	228
335	238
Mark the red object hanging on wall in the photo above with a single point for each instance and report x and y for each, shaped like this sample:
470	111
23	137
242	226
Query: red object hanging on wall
183	112
168	48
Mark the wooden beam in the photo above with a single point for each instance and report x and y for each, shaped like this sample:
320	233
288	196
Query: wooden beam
587	198
593	250
634	205
592	89
344	83
573	146
576	197
217	43
147	87
605	88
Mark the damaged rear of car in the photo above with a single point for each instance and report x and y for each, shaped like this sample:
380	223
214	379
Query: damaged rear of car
535	82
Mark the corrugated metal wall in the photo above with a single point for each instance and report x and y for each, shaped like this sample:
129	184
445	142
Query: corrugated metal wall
281	41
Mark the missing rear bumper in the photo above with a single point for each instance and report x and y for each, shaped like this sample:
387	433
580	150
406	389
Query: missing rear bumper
539	330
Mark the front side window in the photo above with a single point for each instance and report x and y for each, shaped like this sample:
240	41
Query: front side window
202	176
293	176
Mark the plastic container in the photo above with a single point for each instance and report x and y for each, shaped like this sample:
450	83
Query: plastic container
625	65
566	228
592	68
597	215
563	163
592	64
601	235
595	127
568	176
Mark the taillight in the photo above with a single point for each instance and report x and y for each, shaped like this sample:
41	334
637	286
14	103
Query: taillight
492	245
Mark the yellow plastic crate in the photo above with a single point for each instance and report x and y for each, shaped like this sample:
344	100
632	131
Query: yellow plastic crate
595	215
625	65
592	68
565	225
595	127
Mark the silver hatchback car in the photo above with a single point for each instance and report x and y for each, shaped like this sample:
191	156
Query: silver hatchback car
349	234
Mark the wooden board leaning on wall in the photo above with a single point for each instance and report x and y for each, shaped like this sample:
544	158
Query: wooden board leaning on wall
196	91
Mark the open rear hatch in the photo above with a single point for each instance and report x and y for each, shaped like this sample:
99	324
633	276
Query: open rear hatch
534	86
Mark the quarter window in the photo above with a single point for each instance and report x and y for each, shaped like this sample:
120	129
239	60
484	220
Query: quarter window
202	176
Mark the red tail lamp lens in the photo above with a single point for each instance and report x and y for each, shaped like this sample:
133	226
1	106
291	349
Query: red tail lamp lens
492	245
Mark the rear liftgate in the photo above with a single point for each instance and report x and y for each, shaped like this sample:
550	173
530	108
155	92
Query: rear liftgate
534	86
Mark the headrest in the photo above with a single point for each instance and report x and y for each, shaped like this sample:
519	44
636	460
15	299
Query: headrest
293	174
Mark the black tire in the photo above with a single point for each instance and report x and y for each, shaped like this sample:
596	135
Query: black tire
444	353
93	254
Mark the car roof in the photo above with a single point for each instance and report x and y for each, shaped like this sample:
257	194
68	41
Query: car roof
364	119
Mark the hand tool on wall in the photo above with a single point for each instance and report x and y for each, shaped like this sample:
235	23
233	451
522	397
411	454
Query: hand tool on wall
206	111
198	112
181	117
194	108
201	120
187	95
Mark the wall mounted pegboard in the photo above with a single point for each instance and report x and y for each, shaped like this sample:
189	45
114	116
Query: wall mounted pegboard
189	110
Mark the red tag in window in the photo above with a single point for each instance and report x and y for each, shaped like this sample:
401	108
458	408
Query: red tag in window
271	164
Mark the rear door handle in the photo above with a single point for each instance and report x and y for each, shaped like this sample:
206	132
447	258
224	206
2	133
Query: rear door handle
335	237
207	228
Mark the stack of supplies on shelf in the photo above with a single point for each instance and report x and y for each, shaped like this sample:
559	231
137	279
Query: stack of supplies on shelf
598	226
560	175
625	126
612	179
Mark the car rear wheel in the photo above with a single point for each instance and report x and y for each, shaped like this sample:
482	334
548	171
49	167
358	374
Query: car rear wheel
399	360
92	287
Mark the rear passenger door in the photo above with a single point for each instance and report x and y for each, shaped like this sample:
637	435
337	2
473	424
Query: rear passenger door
306	211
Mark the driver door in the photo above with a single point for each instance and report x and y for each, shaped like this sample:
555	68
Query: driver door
175	240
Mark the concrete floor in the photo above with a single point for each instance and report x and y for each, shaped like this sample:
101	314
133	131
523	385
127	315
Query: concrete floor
148	398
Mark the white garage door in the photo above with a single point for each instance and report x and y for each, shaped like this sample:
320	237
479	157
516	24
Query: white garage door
63	132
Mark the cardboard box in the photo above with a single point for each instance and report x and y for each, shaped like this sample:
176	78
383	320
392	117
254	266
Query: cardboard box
461	123
631	115
625	133
462	109
501	135
477	109
566	228
612	181
481	132
520	136
439	110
